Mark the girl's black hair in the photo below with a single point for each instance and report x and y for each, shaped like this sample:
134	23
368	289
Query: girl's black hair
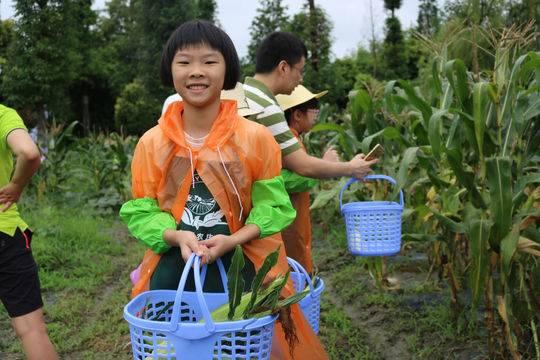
303	107
198	32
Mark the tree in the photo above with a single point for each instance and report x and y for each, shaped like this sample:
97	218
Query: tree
394	48
392	5
316	36
270	17
48	54
428	18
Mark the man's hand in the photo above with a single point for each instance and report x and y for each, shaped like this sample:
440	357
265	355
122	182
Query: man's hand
9	194
186	241
360	167
218	246
331	155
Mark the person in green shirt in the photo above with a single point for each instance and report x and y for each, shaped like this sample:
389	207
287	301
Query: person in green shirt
19	283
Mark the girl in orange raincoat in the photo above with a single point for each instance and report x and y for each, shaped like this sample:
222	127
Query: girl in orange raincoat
301	111
205	179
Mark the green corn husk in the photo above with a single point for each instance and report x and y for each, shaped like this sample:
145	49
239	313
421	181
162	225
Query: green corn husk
261	300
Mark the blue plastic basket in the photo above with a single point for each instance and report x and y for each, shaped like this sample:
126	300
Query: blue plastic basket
373	227
311	304
163	324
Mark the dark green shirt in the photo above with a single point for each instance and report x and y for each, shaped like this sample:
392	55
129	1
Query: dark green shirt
202	216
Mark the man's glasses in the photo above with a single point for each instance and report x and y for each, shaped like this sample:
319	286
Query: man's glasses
314	112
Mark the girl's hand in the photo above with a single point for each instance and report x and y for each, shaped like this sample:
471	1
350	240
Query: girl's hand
218	246
186	241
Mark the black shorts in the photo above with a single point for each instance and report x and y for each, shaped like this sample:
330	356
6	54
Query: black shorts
19	283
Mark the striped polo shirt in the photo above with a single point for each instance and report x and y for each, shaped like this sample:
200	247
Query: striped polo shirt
269	114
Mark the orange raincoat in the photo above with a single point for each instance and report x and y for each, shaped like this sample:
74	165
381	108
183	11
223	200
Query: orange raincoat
297	236
237	151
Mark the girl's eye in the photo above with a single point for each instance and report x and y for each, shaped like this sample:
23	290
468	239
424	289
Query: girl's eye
182	62
210	62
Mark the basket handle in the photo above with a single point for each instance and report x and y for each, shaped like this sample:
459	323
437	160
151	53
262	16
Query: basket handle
222	274
300	269
369	177
195	262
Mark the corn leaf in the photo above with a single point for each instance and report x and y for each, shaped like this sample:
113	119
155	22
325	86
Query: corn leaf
235	280
480	113
499	178
456	73
479	234
416	101
465	178
508	249
448	223
269	262
435	132
293	299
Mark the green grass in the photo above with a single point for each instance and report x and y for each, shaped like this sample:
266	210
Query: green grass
84	264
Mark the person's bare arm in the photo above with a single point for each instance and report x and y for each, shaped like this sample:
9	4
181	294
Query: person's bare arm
306	165
27	162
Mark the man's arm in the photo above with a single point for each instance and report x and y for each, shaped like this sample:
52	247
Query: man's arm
27	163
306	165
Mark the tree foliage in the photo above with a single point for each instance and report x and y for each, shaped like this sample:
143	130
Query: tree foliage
428	17
271	16
48	55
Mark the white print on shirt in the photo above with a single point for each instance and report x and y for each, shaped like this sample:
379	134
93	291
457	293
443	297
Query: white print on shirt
209	220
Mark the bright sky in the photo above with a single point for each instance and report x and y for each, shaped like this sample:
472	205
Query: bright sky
351	19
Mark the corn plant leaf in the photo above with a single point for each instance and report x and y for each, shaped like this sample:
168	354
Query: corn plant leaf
270	298
361	113
521	184
506	112
456	73
269	262
416	101
327	195
465	178
435	74
293	299
508	248
408	158
480	113
453	226
343	137
447	97
478	234
235	280
499	179
435	132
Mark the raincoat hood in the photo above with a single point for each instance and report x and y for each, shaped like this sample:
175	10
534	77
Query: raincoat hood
223	127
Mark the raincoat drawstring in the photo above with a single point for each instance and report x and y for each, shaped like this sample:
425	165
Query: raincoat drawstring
232	183
192	169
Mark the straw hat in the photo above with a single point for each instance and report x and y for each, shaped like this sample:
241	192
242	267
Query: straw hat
299	96
237	94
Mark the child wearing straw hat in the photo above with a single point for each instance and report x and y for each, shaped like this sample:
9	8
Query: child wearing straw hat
301	111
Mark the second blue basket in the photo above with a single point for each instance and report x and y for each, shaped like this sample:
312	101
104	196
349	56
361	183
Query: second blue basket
373	227
311	304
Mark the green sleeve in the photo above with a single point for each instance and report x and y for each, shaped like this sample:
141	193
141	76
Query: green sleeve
147	222
272	210
295	183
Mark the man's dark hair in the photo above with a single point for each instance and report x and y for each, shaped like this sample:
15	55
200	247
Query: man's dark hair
303	107
201	32
276	47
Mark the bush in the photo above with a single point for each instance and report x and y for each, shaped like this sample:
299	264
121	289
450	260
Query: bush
135	110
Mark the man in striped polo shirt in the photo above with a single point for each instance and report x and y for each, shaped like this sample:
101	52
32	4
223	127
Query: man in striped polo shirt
279	67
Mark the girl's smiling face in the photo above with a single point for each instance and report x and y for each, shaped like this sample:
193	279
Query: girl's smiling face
198	74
